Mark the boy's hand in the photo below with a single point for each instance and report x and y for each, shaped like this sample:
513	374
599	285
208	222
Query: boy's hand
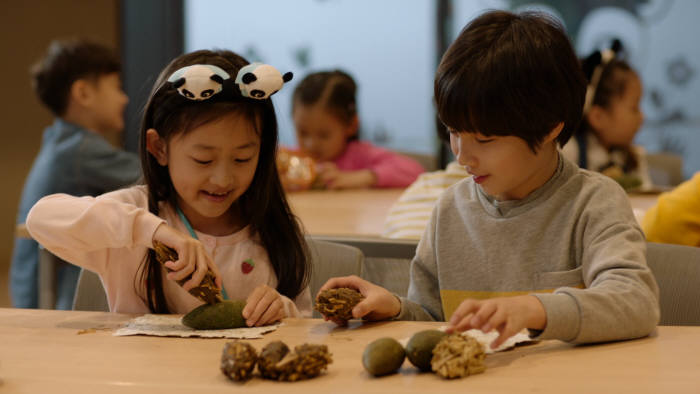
508	315
379	303
192	257
263	306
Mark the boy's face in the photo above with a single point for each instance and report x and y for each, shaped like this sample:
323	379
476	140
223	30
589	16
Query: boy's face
320	134
211	166
504	166
108	103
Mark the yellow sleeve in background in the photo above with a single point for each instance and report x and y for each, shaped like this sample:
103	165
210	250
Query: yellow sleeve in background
675	218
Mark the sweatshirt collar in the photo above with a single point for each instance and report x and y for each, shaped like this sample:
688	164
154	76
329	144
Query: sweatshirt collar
515	207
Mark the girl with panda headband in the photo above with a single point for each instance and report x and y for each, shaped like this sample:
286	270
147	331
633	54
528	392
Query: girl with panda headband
611	119
210	191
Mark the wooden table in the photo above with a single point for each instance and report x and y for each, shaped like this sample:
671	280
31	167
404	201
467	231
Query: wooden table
42	352
641	202
343	212
362	212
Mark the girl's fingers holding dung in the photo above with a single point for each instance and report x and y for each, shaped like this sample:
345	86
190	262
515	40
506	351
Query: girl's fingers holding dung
252	301
218	279
264	304
258	302
274	313
201	266
182	272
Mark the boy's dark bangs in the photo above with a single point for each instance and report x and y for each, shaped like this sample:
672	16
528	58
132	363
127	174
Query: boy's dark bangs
469	102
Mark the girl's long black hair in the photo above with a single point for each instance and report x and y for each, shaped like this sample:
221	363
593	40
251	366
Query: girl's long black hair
263	206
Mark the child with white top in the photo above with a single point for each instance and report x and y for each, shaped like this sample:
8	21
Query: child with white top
611	119
212	192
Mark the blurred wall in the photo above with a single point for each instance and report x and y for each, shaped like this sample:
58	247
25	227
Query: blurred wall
26	28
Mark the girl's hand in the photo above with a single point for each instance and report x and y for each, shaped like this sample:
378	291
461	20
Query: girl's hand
192	257
379	303
263	306
327	172
508	315
333	178
353	180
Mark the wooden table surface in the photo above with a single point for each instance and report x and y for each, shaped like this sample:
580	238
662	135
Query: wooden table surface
362	212
42	351
343	212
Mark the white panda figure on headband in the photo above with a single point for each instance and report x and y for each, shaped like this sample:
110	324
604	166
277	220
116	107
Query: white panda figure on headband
199	81
260	81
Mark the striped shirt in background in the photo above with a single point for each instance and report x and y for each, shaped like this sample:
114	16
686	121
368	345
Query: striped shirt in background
408	217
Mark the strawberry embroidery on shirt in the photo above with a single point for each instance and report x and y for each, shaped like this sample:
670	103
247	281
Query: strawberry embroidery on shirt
247	265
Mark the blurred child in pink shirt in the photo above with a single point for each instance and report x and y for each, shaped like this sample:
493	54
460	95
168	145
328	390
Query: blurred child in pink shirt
325	116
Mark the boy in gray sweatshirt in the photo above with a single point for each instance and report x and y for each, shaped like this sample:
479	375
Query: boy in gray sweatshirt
529	240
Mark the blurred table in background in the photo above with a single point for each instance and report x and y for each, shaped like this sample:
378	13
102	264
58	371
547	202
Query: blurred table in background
641	202
343	212
362	212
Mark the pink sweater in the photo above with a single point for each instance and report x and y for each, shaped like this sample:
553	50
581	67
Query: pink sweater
111	234
392	169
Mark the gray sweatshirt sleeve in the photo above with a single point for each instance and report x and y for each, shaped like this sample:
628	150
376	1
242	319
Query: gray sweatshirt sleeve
423	301
620	298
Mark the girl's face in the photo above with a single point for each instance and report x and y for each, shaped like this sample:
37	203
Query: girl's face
504	166
618	124
211	167
321	134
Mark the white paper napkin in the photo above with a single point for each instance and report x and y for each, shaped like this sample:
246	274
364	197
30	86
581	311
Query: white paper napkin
171	326
486	338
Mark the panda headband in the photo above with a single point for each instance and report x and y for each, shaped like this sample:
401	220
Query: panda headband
202	81
593	66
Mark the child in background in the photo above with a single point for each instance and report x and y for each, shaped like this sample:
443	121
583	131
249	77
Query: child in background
530	240
611	119
410	214
79	81
675	219
326	121
211	192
